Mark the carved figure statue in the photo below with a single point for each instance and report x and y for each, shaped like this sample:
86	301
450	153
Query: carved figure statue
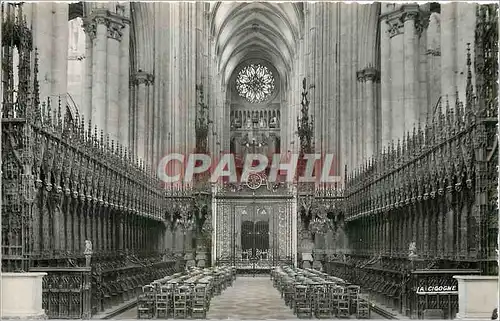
88	248
412	249
263	123
236	122
249	122
273	123
245	140
88	252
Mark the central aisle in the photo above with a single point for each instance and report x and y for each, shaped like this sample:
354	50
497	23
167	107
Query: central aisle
250	298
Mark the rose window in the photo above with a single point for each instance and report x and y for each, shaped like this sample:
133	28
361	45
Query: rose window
255	83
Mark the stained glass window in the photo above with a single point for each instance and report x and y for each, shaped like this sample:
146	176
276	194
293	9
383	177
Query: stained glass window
255	83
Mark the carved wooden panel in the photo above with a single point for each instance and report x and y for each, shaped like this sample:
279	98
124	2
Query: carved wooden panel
224	231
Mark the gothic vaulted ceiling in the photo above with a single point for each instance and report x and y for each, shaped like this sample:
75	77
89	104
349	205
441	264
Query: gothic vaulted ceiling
264	30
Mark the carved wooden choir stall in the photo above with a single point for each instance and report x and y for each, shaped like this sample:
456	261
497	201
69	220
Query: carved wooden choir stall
77	205
424	209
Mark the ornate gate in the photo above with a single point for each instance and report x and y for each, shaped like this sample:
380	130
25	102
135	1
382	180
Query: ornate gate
254	231
255	240
255	249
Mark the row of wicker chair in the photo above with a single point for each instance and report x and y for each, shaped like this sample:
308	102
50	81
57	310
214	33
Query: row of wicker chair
184	295
311	293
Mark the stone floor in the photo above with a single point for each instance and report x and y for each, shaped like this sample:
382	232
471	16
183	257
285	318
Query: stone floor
250	298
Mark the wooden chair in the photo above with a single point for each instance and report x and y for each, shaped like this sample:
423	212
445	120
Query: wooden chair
199	302
343	307
302	301
182	299
353	291
146	303
335	297
322	309
162	303
363	308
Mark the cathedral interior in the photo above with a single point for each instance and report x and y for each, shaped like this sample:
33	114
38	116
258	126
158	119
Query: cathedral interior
95	94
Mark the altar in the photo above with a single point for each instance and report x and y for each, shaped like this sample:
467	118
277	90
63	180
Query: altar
254	229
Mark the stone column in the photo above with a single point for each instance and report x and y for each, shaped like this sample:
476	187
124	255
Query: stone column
141	81
328	107
410	66
151	129
313	69
360	117
166	88
99	67
351	89
160	54
370	76
175	97
344	109
87	83
465	29
320	71
194	79
114	37
104	91
397	80
124	90
60	53
433	63
385	72
448	52
181	102
334	115
42	39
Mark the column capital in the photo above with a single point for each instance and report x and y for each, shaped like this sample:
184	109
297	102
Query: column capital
360	75
89	27
369	73
123	10
396	19
395	26
434	52
410	15
115	29
410	11
142	77
422	22
114	22
420	18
